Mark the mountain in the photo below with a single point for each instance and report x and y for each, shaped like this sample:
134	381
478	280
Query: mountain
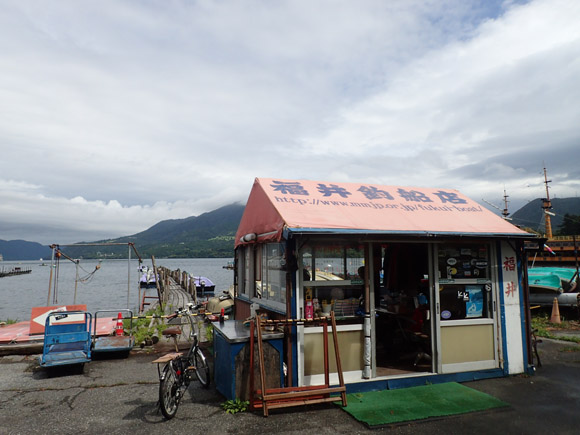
531	215
17	250
209	235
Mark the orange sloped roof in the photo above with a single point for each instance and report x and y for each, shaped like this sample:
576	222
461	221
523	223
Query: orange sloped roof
303	206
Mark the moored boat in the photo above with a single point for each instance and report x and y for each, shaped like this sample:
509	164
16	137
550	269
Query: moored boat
203	286
148	278
544	282
565	274
547	283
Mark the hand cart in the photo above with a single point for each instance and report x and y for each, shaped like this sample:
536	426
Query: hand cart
67	338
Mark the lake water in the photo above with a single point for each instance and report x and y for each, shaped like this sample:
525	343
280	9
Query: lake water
107	288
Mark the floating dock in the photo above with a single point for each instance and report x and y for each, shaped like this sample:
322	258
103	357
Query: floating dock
14	271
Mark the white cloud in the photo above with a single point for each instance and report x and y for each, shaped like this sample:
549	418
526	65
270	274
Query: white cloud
115	118
91	220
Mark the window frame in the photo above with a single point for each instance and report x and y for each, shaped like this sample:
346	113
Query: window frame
487	283
254	268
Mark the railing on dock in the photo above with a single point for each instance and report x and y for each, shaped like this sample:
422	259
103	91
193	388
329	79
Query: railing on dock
14	271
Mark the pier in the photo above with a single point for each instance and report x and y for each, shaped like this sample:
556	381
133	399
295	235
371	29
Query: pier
14	271
175	289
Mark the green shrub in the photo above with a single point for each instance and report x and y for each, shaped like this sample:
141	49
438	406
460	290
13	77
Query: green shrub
141	329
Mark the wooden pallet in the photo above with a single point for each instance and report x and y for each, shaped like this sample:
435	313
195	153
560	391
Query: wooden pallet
270	398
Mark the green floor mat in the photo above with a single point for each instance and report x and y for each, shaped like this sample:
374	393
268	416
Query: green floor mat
416	403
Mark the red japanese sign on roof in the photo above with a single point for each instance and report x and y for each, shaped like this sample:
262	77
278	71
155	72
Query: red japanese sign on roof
276	205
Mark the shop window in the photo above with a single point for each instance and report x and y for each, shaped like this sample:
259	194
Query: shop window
240	271
464	262
271	274
465	286
332	263
245	269
332	278
465	301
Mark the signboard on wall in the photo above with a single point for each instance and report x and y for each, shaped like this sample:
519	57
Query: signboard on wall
512	309
306	205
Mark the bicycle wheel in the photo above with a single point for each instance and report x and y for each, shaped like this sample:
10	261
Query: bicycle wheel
201	368
168	387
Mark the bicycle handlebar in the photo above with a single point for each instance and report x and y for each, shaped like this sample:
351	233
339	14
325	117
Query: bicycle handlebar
184	311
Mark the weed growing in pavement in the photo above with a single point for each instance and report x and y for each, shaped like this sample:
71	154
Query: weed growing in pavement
542	324
235	406
209	333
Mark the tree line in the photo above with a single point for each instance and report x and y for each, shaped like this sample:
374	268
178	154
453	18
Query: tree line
570	225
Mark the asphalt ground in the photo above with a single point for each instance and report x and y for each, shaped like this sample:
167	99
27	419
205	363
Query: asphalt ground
119	396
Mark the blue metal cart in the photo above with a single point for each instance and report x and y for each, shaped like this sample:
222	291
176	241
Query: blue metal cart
67	338
118	342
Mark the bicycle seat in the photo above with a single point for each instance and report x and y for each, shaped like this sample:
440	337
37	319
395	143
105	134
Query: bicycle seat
176	330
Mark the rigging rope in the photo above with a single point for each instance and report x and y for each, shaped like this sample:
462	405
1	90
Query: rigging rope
89	275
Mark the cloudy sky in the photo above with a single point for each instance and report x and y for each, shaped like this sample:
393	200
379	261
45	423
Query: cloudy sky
115	115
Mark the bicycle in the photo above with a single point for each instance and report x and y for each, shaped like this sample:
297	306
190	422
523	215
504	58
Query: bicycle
178	370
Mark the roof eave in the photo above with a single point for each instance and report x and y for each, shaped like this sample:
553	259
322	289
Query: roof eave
288	232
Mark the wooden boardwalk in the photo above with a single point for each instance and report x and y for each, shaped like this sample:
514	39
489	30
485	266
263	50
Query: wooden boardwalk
176	297
176	289
173	295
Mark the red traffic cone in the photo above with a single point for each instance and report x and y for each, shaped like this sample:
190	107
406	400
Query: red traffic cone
119	330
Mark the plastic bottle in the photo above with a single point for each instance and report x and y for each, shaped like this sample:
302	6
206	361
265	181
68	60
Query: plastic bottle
309	310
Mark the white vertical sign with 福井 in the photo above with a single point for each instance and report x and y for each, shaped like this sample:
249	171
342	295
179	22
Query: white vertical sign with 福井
512	309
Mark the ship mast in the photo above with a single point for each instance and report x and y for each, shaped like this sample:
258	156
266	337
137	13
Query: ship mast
505	213
547	206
